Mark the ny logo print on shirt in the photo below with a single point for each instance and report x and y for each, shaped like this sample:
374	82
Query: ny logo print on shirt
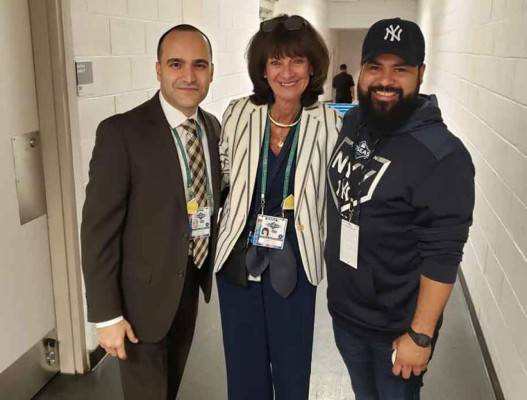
342	166
394	33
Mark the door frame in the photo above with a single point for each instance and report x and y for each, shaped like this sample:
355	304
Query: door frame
51	33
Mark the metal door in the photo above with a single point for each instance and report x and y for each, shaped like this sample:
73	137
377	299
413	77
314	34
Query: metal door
26	291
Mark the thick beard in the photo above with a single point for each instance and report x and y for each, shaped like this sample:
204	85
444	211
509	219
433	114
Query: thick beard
385	120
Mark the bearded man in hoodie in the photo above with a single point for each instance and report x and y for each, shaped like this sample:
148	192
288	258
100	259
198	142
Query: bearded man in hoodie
400	202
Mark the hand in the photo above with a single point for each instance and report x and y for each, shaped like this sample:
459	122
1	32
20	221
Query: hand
410	357
111	338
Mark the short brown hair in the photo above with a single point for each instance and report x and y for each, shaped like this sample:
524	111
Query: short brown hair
181	28
281	42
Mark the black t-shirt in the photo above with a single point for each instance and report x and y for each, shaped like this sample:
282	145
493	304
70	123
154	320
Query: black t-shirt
342	83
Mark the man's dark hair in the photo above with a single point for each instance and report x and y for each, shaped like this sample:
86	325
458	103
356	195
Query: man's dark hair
343	67
282	42
181	28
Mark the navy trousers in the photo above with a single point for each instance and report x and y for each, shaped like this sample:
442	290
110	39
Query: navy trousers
370	367
268	340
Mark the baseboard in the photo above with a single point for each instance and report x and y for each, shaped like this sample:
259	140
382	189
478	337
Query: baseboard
496	386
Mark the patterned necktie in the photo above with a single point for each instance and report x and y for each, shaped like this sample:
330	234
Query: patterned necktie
198	174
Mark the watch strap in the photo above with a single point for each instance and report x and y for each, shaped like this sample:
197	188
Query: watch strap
419	339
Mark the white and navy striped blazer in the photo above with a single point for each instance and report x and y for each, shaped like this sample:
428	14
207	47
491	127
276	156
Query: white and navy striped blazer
242	134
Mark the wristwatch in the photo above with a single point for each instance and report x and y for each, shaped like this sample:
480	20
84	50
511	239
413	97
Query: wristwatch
420	339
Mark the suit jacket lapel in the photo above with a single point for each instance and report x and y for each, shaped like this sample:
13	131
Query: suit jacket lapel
309	125
161	134
212	141
255	135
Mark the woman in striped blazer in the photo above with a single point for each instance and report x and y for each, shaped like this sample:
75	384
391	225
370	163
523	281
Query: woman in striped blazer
274	150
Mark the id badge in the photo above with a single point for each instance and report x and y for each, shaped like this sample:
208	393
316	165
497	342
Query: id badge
349	244
200	223
270	232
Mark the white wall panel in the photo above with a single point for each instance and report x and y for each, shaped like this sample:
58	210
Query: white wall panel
476	56
127	36
363	13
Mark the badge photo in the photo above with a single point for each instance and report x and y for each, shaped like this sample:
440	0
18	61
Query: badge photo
270	232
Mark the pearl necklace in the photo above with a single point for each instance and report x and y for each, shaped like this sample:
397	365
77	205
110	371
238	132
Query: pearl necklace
283	125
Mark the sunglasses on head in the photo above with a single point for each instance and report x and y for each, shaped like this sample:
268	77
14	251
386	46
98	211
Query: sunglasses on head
293	23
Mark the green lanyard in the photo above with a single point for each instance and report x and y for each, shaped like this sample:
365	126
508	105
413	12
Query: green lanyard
183	153
265	163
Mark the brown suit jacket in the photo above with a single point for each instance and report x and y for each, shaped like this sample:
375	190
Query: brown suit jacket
134	232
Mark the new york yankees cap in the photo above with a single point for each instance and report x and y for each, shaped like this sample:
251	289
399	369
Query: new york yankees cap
395	36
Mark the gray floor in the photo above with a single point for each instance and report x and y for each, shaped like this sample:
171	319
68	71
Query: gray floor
456	373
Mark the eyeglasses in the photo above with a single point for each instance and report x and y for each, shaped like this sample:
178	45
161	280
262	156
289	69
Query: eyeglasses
293	23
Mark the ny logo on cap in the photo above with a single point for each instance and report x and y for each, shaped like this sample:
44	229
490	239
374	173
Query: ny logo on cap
394	33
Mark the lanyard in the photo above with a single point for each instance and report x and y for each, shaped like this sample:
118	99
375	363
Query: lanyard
265	163
183	153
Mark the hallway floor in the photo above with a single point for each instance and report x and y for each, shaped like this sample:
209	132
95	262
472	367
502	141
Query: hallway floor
456	373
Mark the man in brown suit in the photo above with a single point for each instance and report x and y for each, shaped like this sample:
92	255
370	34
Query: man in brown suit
154	180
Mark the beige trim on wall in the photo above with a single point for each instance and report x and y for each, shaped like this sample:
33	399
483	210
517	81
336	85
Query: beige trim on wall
53	58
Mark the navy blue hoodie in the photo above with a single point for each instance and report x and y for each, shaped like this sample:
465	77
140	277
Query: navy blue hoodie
417	198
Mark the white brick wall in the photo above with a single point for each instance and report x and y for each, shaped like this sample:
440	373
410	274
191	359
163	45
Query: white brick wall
170	11
354	14
120	38
115	7
477	64
91	34
127	36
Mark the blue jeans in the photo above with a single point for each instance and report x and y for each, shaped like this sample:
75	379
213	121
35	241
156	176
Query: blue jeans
370	367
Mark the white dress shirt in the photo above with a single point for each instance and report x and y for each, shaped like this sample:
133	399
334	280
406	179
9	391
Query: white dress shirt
175	118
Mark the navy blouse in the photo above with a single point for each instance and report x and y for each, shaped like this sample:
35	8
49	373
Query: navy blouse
276	166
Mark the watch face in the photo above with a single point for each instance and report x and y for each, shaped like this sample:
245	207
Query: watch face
419	338
424	340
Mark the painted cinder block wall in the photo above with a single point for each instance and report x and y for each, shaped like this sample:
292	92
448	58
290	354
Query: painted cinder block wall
477	64
358	14
120	38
